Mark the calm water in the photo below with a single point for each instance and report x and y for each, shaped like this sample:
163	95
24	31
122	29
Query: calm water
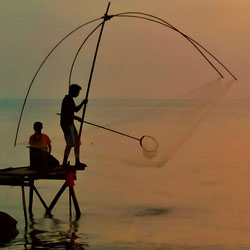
192	194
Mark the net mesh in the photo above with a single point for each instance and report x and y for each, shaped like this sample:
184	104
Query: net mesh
170	123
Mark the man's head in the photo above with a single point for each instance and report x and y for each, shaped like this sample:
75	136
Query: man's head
74	90
38	126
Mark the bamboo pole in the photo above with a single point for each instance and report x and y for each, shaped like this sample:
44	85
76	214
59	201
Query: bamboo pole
105	18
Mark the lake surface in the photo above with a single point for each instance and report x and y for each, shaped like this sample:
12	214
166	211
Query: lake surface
194	193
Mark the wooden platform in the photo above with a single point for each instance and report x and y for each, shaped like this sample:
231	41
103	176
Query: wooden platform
26	177
23	175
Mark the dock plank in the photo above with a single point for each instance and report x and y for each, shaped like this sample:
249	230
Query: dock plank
24	174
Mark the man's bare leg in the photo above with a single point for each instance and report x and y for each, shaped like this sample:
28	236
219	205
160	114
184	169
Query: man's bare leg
77	154
66	154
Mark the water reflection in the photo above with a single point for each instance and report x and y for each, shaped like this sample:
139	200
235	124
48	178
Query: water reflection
153	212
54	238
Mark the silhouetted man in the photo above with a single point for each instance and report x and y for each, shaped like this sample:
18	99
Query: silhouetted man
40	140
67	123
40	149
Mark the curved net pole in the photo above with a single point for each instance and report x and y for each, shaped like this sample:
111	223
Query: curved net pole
78	51
235	78
170	25
148	19
105	18
191	40
39	68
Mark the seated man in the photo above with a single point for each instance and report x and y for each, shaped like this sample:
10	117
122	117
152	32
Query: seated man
40	149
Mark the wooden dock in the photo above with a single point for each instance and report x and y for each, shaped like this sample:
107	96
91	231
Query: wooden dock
26	177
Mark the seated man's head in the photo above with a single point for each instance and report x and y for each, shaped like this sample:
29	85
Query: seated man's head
38	126
74	90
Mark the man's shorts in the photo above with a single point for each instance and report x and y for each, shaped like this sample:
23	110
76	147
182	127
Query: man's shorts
71	135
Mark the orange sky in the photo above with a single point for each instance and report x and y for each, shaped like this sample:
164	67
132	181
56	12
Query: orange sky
136	58
206	180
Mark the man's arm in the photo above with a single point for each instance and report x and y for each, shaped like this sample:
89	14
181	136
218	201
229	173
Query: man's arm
84	102
49	148
31	140
48	144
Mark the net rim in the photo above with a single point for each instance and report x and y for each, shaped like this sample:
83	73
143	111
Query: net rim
148	136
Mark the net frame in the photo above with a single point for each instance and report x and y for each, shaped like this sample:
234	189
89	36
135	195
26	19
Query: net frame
152	139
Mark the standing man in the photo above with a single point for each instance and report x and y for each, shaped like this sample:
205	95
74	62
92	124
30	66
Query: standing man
67	123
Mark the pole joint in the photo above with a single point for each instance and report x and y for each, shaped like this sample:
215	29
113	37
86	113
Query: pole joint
107	17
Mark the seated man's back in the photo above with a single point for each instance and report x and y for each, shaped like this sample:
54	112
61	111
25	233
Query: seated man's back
40	149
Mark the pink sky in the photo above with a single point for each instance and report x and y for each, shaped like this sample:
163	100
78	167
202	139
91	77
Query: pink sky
136	58
206	180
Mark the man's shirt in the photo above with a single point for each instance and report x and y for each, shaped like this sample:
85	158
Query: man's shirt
41	141
67	110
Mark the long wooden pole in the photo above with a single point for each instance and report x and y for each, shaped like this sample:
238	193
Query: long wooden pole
105	18
38	70
191	40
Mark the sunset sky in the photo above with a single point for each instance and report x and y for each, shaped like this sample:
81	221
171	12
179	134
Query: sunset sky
199	175
136	58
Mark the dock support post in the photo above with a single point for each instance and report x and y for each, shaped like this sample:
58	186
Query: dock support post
24	206
53	203
70	205
73	195
40	198
31	197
